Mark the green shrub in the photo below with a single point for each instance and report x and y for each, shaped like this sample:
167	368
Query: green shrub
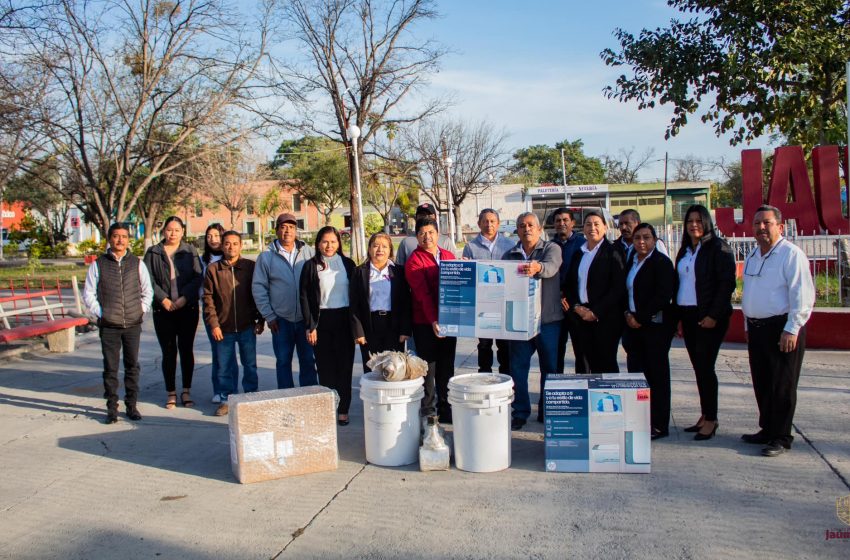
91	247
137	246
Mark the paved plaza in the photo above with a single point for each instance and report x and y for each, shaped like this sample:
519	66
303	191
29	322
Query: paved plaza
74	488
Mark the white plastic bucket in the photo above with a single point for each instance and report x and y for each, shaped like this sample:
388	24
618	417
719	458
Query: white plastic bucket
481	414
391	419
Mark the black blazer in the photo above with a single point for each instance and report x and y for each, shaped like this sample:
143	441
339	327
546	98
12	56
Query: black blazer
653	287
606	282
309	291
715	277
361	316
188	273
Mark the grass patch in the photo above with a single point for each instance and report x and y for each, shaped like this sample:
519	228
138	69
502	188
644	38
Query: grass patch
20	275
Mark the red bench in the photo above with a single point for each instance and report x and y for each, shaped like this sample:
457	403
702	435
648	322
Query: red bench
60	332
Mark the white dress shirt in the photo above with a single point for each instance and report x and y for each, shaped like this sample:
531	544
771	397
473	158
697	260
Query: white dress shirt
687	294
380	288
584	267
777	283
333	284
630	279
93	277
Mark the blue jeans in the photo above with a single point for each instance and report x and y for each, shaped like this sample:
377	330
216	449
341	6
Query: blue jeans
292	336
228	370
214	367
546	345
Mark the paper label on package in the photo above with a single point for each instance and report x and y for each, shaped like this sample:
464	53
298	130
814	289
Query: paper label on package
258	447
285	449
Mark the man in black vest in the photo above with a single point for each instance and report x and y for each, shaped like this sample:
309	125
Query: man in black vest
118	292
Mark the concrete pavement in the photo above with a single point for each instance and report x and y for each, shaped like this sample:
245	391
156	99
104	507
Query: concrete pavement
73	487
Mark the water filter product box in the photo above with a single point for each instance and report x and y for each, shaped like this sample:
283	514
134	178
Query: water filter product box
488	299
597	423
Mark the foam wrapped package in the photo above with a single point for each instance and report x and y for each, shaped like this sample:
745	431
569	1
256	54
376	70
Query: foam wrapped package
287	432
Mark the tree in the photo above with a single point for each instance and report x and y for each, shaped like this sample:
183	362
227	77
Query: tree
390	176
690	168
270	205
124	74
364	58
318	170
228	178
542	164
624	167
477	150
39	188
753	67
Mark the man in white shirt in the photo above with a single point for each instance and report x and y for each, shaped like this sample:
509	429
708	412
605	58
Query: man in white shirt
118	292
490	245
778	299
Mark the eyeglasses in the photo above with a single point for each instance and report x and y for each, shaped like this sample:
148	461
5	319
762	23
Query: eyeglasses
747	267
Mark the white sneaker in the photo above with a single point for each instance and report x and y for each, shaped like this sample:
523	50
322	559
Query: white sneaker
216	399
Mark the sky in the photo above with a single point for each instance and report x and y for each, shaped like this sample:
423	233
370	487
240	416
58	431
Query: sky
533	68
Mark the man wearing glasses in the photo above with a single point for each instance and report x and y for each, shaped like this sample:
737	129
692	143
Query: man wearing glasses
778	298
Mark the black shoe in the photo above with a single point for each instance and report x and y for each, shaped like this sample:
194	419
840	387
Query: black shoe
696	427
658	434
133	413
343	422
703	437
111	416
774	449
445	414
517	424
758	438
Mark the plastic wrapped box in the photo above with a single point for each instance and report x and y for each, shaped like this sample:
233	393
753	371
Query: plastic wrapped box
287	432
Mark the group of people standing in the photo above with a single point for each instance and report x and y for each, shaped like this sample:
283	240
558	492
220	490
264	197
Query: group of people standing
319	303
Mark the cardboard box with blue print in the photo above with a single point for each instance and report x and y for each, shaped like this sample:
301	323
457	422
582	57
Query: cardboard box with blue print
597	423
488	299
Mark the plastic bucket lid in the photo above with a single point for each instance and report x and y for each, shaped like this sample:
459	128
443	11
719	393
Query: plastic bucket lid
481	389
373	387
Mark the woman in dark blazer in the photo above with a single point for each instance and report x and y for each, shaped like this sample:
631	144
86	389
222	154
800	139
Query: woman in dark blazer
705	282
650	280
380	301
176	278
325	304
594	292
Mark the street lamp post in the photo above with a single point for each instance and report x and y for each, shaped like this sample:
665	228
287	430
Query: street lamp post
358	241
448	161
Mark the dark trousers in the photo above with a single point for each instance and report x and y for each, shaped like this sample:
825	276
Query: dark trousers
485	355
382	337
112	342
440	355
775	376
563	337
703	345
649	353
595	344
175	331
335	354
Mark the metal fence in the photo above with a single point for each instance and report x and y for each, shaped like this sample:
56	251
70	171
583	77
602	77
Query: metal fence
827	255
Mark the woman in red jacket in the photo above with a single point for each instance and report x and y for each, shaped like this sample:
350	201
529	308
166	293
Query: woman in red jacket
422	271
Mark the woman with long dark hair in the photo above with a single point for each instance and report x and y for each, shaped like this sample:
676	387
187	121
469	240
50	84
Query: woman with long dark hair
176	277
380	301
706	279
325	303
212	253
